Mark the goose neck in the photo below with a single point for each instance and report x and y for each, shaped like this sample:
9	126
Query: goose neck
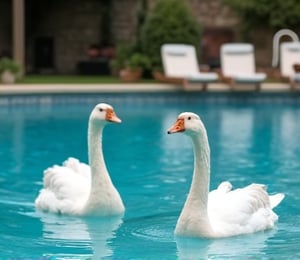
201	176
96	160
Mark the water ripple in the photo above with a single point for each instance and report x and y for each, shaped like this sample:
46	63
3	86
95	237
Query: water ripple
159	228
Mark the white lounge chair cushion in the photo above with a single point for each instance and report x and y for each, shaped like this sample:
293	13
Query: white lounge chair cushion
289	55
238	63
180	61
175	50
250	78
292	46
297	77
237	48
203	77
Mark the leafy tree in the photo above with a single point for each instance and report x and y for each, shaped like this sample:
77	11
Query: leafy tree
170	21
275	14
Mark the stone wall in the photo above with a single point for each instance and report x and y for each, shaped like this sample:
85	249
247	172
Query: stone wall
213	13
124	19
73	24
76	24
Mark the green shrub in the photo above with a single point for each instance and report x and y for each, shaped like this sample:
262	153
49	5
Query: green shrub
128	56
170	21
123	52
10	65
275	14
138	60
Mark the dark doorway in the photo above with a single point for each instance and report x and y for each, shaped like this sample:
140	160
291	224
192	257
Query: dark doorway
44	54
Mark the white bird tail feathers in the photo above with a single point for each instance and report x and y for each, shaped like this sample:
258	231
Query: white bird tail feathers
276	199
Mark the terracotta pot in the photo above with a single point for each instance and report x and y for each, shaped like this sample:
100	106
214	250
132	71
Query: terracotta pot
7	77
130	75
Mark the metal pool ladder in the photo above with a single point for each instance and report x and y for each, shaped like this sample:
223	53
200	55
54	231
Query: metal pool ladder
276	39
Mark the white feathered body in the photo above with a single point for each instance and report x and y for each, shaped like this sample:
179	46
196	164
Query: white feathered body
67	188
222	212
229	212
76	188
244	210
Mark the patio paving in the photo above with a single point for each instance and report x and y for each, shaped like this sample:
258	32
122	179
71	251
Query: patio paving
134	87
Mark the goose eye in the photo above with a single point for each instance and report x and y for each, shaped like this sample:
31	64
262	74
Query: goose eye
189	118
101	109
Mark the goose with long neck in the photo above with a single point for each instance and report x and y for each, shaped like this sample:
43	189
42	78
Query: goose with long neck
222	212
76	188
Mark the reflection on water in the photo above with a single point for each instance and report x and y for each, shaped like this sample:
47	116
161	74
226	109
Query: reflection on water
97	232
241	246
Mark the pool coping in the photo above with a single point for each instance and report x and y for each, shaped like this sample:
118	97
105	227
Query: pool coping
14	89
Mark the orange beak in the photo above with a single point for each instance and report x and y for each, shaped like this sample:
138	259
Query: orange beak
177	127
112	117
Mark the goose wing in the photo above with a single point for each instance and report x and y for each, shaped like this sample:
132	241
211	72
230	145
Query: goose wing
244	210
65	188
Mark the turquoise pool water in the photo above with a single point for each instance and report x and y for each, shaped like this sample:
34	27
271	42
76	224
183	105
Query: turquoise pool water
253	138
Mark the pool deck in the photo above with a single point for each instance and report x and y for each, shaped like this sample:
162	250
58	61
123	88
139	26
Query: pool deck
15	89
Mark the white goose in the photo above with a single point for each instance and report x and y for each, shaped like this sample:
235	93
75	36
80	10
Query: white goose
222	212
79	189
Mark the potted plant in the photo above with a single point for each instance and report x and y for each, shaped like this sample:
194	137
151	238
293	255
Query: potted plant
9	70
122	53
134	67
129	63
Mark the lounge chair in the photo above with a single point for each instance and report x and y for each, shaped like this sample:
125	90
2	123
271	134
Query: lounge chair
238	65
180	62
289	61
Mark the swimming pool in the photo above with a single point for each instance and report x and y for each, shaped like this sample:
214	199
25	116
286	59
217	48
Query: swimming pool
253	138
